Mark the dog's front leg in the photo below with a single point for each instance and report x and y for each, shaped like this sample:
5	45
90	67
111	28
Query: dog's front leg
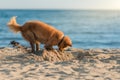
33	47
61	49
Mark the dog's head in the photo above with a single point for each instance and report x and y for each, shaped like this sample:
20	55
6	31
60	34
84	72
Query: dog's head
66	42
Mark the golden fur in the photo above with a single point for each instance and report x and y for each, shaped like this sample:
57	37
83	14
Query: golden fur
36	32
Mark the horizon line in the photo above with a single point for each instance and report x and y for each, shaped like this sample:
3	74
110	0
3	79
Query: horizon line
54	9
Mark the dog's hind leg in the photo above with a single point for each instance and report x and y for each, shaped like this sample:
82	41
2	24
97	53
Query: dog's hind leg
37	46
33	47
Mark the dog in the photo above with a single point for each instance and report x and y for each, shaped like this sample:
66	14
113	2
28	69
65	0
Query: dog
36	32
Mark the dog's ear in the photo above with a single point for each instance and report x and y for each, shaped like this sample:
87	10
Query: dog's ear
12	21
65	43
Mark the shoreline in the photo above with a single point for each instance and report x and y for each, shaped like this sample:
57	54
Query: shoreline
88	64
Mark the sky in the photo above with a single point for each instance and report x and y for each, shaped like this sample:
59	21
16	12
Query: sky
60	4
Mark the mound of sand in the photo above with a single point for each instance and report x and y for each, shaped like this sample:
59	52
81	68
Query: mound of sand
42	55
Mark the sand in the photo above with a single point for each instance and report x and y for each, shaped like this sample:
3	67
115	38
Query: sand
83	64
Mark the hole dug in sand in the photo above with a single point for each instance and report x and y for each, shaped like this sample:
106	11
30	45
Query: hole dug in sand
52	56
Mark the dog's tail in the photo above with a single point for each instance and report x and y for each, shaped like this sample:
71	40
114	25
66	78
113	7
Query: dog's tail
12	24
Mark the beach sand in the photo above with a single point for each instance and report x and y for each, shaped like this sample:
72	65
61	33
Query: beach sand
86	64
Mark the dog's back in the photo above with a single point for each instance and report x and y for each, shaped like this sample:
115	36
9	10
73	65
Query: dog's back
42	32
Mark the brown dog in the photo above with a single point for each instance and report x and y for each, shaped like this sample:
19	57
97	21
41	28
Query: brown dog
36	32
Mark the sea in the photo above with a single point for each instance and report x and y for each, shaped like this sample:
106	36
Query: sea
86	28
